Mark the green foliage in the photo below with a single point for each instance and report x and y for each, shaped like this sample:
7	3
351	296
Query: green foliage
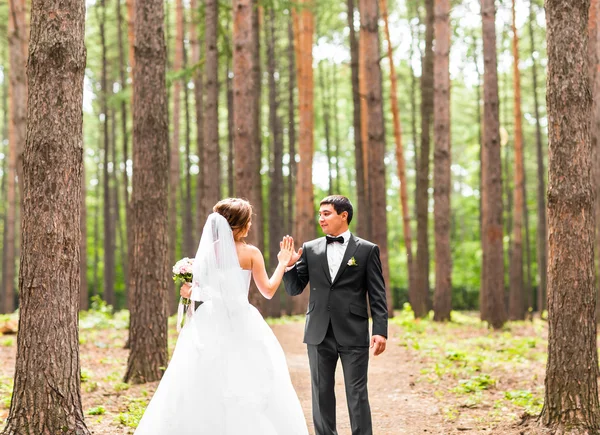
98	410
135	410
526	399
101	316
463	357
6	390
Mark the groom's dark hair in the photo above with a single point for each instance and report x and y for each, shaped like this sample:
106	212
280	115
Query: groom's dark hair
340	204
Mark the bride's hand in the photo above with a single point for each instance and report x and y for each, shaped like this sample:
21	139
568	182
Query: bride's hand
186	290
286	250
295	256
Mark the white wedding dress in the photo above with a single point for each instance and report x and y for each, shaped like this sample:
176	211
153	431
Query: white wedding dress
228	374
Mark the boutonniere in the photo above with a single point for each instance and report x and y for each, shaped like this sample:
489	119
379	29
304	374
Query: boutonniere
352	262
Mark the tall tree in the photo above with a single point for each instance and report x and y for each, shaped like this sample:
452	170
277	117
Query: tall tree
109	250
3	287
125	139
442	304
83	264
189	244
175	164
326	112
516	305
400	161
492	289
361	192
305	225
420	294
17	99
571	395
369	23
149	282
542	244
195	45
255	195
244	100
211	154
594	63
365	225
47	400
291	223
230	133
276	223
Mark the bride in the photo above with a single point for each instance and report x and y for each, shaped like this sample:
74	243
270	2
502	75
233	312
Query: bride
228	374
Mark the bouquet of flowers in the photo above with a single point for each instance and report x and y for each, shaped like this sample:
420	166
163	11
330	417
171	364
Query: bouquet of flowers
182	273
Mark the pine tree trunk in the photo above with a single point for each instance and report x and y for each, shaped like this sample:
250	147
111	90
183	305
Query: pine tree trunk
276	231
442	304
364	227
83	256
230	132
492	292
195	45
109	254
420	295
17	100
125	138
594	68
96	288
571	396
149	281
401	162
117	228
47	400
244	101
326	113
256	193
189	243
305	225
361	188
212	185
3	189
175	163
336	128
516	306
376	134
291	222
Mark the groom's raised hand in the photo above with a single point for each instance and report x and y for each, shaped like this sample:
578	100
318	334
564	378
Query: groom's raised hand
295	254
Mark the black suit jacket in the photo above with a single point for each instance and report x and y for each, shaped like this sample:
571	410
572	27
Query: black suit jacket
343	300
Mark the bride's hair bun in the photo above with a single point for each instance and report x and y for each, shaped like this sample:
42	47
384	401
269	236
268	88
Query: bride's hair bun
237	211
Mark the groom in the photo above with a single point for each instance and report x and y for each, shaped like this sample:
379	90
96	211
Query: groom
342	270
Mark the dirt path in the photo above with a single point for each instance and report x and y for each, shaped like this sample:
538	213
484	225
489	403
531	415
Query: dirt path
397	407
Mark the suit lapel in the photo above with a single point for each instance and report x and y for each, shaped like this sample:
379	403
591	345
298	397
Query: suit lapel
322	256
350	251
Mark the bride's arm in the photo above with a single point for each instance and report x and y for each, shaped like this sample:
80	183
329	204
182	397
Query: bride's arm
268	286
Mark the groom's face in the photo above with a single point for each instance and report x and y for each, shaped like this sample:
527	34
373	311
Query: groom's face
332	223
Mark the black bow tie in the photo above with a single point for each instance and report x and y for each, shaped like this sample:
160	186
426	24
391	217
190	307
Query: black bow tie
339	239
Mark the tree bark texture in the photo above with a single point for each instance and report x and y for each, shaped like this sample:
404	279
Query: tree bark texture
516	300
420	296
376	135
305	211
571	396
17	99
492	291
442	158
46	398
149	281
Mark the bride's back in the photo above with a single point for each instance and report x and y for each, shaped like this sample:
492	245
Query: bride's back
244	252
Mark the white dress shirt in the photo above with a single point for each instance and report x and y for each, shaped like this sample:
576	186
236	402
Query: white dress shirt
335	254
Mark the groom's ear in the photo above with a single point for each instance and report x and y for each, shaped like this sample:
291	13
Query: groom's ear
344	215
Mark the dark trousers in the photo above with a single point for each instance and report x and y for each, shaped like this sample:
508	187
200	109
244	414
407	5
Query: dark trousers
323	360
